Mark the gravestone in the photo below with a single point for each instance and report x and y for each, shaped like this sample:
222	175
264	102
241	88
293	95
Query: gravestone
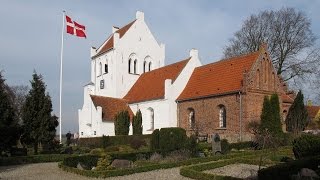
216	144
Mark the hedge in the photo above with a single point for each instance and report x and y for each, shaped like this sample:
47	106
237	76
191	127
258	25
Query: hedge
286	170
70	166
97	142
306	146
171	139
195	171
6	161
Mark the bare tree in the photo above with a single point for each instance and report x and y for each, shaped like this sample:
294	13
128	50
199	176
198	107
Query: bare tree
288	35
19	93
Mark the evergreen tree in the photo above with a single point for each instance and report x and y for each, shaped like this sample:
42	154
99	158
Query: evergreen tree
270	116
137	123
265	115
38	123
297	116
122	123
276	126
9	128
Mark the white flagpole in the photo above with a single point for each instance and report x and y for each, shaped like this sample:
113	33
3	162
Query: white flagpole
61	60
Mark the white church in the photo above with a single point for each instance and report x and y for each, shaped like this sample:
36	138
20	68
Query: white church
128	72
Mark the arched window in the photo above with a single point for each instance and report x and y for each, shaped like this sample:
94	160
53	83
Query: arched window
100	69
222	116
135	67
273	82
150	118
191	118
149	66
129	66
144	66
106	68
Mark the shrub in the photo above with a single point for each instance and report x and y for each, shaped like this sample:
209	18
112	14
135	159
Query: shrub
122	123
137	143
286	170
86	161
156	157
225	146
154	144
6	161
171	139
97	142
105	141
103	163
192	145
137	123
306	146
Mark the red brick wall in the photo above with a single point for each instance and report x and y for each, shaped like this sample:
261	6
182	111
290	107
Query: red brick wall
207	115
259	82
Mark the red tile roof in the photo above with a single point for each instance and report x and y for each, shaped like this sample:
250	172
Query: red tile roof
110	106
221	77
109	44
312	111
150	85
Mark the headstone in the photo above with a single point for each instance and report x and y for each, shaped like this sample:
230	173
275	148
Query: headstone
79	166
216	144
121	163
306	173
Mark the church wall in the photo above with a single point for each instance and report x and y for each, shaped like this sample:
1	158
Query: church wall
206	113
161	112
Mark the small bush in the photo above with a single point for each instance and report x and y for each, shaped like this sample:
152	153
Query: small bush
98	152
286	170
192	145
156	157
137	143
178	155
154	144
103	163
306	146
112	149
171	139
225	146
105	141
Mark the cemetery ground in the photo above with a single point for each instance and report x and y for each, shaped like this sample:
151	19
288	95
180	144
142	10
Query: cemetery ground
176	157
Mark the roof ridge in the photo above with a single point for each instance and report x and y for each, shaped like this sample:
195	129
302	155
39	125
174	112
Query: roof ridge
158	69
230	59
109	97
117	31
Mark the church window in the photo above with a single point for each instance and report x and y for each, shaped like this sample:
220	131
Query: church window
94	132
100	69
129	66
222	116
191	118
81	133
150	118
135	67
106	68
144	66
149	66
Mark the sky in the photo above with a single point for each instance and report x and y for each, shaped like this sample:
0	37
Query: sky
30	36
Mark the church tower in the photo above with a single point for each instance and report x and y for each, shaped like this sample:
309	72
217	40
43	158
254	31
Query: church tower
128	52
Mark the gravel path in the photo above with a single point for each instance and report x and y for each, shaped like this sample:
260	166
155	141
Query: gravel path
51	171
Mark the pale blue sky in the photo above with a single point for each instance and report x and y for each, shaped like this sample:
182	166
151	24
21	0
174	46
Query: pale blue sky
30	36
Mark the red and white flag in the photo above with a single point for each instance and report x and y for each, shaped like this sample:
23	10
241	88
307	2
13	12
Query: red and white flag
75	28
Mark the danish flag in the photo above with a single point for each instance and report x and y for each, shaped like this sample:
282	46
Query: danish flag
75	28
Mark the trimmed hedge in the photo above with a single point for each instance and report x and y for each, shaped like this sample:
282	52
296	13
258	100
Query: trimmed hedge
286	170
171	139
195	171
97	142
6	161
121	172
306	145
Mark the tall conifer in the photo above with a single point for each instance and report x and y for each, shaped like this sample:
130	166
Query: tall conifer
137	123
297	116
